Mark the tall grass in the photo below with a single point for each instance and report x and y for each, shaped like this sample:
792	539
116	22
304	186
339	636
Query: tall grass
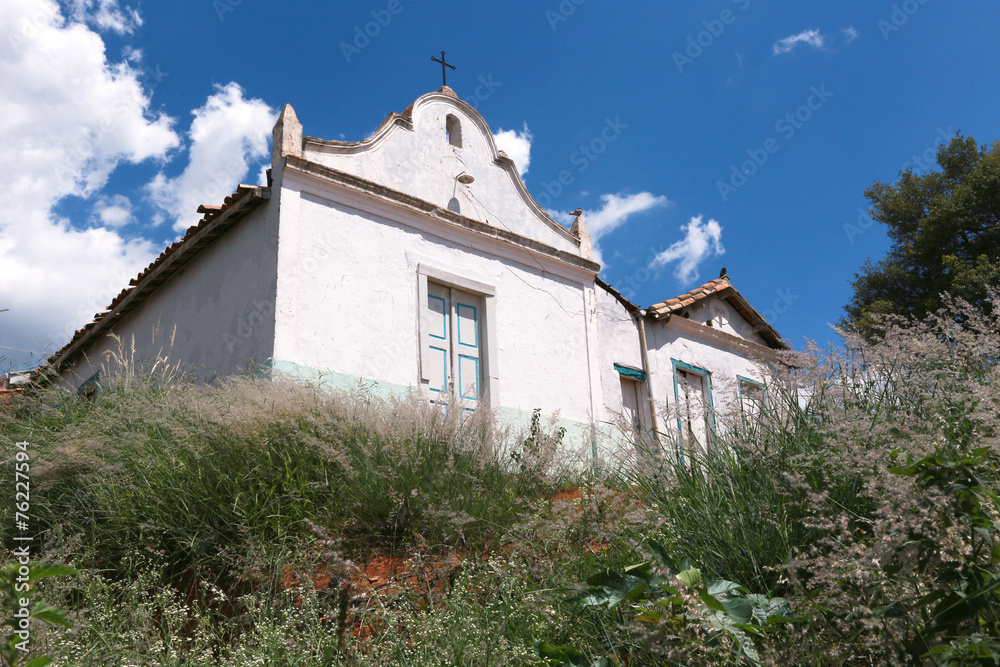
728	513
198	474
200	515
868	497
203	512
739	509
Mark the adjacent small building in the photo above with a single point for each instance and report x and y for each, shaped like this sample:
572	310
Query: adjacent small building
417	258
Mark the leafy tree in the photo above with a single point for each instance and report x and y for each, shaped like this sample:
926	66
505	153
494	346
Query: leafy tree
945	231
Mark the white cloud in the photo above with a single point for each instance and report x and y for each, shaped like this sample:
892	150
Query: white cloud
132	54
812	38
114	211
228	134
56	277
517	146
702	240
615	211
850	34
105	15
68	117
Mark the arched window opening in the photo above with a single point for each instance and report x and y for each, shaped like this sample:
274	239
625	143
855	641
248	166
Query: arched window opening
453	129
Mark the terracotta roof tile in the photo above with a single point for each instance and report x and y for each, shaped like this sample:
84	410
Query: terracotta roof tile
678	303
722	288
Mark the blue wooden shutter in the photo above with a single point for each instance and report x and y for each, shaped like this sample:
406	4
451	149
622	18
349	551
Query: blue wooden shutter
467	344
437	338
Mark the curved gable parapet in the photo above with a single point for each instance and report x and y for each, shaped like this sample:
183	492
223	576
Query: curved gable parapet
430	151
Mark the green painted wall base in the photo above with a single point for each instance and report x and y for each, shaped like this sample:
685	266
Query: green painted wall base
580	438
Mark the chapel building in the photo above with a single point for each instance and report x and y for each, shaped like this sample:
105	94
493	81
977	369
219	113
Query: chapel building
417	258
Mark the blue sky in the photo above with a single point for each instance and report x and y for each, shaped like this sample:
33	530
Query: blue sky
695	135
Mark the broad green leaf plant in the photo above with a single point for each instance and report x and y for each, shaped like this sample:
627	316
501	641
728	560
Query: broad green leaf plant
675	597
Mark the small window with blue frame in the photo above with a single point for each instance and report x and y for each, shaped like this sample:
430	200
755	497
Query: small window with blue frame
753	399
90	386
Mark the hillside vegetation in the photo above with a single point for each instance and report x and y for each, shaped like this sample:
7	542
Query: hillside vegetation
265	522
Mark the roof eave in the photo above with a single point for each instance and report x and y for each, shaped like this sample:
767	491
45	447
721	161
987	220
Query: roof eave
724	290
629	306
760	325
171	260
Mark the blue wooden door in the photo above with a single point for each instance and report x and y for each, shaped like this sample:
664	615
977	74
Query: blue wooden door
467	345
694	409
454	342
438	340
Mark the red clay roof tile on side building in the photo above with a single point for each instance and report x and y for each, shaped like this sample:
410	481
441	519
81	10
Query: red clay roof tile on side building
722	288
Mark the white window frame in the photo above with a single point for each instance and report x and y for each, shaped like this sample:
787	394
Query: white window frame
488	336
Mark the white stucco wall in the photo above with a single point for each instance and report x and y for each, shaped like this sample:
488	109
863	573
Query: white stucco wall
726	318
675	340
221	304
717	349
619	344
422	163
352	305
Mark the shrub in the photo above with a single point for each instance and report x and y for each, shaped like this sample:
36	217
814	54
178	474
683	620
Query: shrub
867	498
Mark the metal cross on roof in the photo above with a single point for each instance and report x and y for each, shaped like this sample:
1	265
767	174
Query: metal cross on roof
444	72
